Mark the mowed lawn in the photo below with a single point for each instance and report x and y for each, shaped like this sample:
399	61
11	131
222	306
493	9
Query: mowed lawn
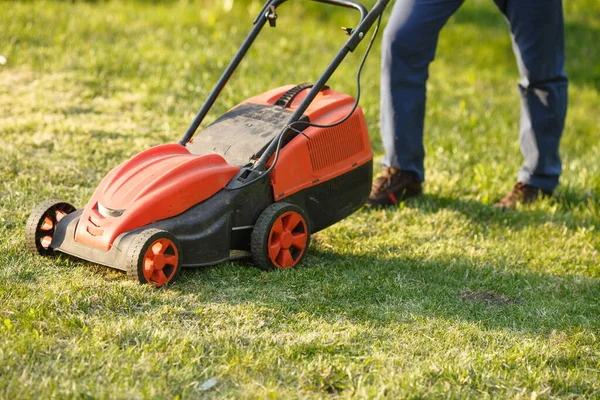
443	296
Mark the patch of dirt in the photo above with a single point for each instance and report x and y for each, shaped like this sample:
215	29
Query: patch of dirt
489	298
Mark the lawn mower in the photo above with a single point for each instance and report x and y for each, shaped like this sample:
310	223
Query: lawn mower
256	182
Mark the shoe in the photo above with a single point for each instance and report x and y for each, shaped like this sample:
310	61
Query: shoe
522	193
391	187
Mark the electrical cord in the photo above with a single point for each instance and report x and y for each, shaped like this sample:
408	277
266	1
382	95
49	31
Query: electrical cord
358	74
304	123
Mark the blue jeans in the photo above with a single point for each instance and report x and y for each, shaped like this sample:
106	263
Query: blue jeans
408	46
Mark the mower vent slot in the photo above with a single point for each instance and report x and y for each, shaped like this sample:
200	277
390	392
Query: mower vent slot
94	223
94	231
336	144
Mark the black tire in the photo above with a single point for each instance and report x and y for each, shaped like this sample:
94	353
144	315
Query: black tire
262	237
137	257
41	225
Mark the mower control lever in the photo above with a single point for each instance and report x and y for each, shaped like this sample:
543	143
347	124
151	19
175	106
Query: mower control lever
271	16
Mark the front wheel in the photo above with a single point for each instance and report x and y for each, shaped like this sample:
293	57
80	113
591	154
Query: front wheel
280	237
41	225
154	257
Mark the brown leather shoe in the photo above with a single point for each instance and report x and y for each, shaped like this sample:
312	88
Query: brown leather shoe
391	187
522	193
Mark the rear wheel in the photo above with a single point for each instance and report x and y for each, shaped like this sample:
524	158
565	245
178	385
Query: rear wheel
41	225
154	257
280	237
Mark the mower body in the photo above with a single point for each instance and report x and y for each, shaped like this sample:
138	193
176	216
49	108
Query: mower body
258	181
198	192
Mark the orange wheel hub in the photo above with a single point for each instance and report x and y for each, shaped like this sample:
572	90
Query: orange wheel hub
287	239
48	225
160	262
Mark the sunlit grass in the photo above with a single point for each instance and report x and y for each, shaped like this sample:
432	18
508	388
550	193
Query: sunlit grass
444	296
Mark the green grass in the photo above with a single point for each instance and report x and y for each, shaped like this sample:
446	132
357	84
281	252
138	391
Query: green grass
442	297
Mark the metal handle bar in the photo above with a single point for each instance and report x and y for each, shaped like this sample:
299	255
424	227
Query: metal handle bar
355	38
366	20
341	3
348	4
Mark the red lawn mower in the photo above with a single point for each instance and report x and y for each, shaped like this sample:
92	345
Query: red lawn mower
258	181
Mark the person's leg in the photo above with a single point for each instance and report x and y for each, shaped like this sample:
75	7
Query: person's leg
537	30
408	47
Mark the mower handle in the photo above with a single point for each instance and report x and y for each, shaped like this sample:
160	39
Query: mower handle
342	3
267	14
348	4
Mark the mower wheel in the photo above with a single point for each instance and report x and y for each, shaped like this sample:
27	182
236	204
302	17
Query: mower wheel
41	225
280	236
154	257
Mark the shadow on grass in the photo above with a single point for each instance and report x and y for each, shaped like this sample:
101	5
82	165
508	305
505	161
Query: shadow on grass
486	215
377	290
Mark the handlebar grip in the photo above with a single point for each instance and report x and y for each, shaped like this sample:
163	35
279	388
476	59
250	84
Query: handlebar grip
341	3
